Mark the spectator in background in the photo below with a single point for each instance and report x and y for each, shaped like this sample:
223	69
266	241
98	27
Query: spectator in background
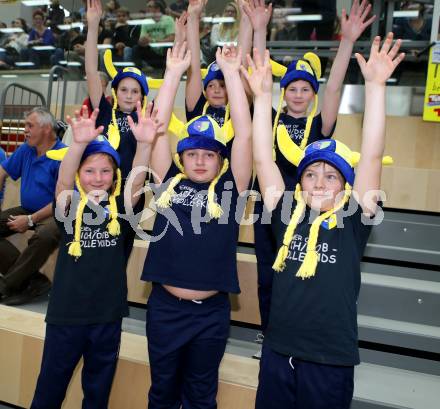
226	32
416	29
125	37
177	8
3	36
111	8
39	35
67	45
161	31
20	279
14	44
105	33
55	15
109	25
321	29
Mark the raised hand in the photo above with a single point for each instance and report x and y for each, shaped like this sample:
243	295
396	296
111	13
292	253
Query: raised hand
145	131
196	7
180	28
353	26
228	58
259	14
382	61
94	12
83	127
178	58
260	78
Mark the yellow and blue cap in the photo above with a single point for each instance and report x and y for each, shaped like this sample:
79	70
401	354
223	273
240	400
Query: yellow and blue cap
301	69
131	72
101	146
332	152
213	73
203	132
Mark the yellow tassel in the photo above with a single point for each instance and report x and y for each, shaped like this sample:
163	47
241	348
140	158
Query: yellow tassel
144	106
275	123
114	227
279	263
214	209
309	123
178	163
75	249
75	246
165	198
205	108
113	134
308	267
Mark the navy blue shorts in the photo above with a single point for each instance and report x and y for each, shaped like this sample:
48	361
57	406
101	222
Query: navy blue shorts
289	383
265	252
64	346
186	343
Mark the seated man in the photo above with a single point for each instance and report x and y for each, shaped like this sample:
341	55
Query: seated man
20	279
147	53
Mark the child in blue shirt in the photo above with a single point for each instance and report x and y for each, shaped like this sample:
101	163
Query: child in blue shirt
193	265
89	295
310	345
299	122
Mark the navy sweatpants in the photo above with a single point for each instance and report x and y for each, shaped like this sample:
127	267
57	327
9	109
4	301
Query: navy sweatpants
64	346
186	342
265	252
288	383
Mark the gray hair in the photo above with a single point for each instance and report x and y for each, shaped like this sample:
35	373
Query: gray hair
45	117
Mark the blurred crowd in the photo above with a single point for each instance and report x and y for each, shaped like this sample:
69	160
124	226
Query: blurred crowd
141	38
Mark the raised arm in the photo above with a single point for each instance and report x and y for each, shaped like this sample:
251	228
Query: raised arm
178	60
244	32
351	28
145	132
379	67
194	86
269	177
84	131
180	28
259	15
94	13
229	61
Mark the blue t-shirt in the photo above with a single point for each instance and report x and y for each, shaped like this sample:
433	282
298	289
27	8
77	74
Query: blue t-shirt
2	159
127	144
315	319
91	289
194	251
217	113
38	175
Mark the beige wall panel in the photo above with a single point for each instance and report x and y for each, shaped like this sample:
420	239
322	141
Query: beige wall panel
21	338
10	358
